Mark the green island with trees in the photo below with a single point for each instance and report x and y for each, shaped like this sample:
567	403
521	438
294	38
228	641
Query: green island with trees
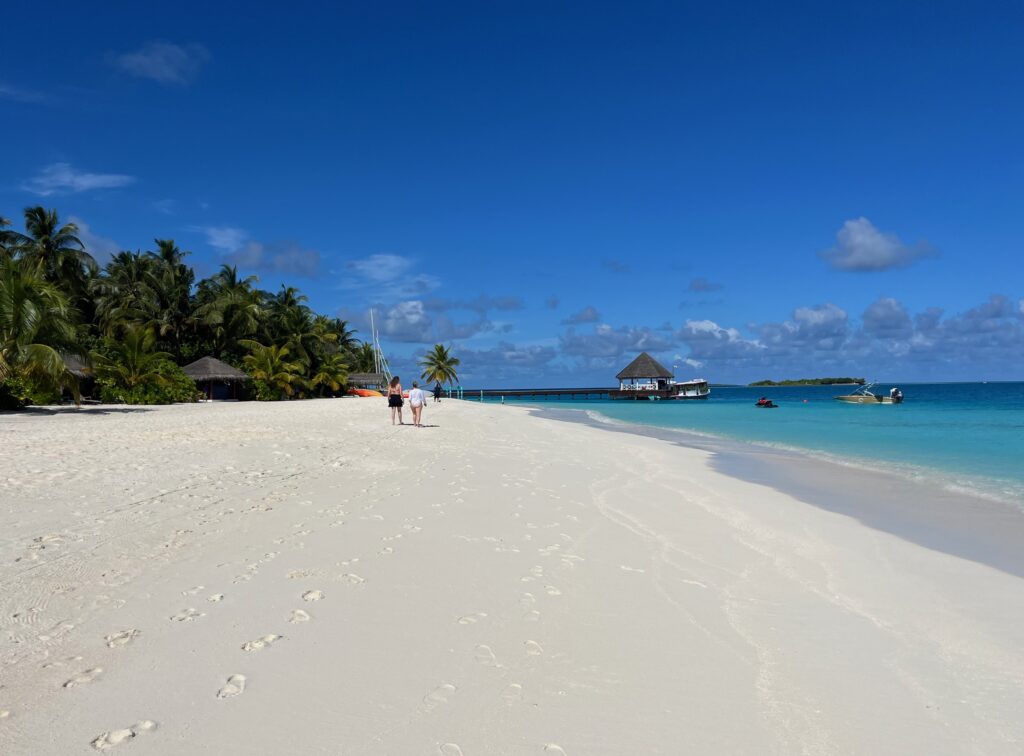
132	323
813	382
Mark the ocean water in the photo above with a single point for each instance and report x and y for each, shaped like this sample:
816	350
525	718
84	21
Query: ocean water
967	436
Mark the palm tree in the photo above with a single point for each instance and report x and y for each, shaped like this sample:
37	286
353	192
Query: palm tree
439	366
229	307
56	248
124	293
132	360
36	325
332	373
171	281
5	238
363	358
270	365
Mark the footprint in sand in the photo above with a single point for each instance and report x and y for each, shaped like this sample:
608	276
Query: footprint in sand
298	615
83	678
187	615
122	638
552	591
215	598
193	591
260	643
235	686
312	595
450	749
555	749
351	578
108	740
472	619
513	692
533	648
438	695
484	655
532	616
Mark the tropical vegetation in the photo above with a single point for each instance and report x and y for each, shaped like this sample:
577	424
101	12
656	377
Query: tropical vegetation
128	324
439	366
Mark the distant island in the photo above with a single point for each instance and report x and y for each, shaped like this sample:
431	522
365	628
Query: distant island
813	382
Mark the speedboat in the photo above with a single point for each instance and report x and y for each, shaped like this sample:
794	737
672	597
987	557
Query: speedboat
863	395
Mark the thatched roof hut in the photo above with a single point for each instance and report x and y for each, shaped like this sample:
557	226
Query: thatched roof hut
76	367
375	381
209	372
644	366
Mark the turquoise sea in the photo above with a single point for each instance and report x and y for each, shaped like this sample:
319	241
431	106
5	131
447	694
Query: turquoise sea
968	436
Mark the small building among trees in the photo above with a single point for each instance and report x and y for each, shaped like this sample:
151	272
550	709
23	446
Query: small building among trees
216	379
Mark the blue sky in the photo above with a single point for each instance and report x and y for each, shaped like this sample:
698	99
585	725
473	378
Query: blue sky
745	190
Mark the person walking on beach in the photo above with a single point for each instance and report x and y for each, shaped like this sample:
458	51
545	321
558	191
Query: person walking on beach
417	398
437	392
395	399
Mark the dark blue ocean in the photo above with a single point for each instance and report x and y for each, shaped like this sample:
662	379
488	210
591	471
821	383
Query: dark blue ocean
963	435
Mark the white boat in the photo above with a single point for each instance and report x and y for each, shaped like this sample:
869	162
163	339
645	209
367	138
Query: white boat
698	388
863	395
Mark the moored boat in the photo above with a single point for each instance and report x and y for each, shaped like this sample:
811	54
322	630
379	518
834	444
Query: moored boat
864	395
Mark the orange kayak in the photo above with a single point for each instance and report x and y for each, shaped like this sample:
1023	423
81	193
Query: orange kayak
363	392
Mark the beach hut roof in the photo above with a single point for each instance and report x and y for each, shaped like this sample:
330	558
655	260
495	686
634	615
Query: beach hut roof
76	367
212	369
377	379
644	366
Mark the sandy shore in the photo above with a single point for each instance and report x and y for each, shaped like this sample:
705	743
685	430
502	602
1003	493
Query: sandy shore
306	578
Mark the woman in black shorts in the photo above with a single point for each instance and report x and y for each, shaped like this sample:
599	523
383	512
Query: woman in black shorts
395	400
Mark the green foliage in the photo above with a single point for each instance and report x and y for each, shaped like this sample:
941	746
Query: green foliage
811	382
271	365
36	327
145	310
173	387
439	366
22	391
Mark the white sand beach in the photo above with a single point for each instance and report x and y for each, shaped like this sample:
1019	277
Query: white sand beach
302	577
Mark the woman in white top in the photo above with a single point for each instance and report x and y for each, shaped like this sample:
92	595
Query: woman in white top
417	398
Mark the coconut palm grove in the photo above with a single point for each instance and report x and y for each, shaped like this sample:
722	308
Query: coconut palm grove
121	332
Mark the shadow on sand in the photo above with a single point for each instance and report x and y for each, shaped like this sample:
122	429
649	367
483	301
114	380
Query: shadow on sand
105	409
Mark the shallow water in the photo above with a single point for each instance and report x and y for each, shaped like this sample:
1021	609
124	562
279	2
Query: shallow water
967	436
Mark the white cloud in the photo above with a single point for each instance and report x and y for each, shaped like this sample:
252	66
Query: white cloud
224	238
164	62
277	257
387	277
16	94
380	268
64	178
861	247
100	247
587	315
165	206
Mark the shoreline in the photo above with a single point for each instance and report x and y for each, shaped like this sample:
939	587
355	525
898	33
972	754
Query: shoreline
967	524
261	578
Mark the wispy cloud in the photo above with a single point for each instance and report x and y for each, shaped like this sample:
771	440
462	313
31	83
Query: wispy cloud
17	94
100	247
165	206
703	284
64	178
224	238
163	62
861	247
587	315
277	257
552	302
387	277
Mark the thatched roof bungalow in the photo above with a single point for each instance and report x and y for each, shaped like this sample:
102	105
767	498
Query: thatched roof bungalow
216	379
374	381
644	372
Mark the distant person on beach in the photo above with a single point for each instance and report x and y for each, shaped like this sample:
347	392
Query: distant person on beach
437	392
395	399
417	398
